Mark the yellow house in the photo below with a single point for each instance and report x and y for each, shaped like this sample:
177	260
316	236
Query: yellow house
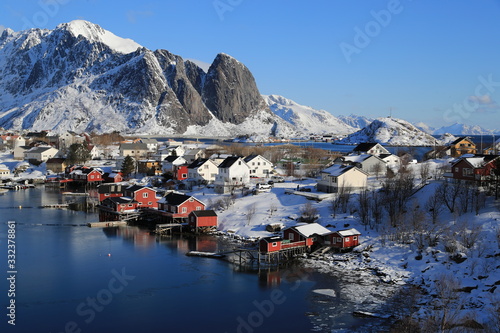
462	146
342	176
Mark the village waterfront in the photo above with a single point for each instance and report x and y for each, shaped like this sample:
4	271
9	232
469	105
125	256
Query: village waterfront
72	278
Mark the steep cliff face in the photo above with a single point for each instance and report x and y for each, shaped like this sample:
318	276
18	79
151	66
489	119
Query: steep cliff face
229	90
81	77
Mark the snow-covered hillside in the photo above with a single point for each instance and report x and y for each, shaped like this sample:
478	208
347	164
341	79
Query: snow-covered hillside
355	121
305	119
391	131
462	129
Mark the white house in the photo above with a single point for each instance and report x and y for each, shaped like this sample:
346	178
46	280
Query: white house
342	176
41	153
203	170
259	166
12	140
233	172
371	148
136	150
152	144
192	155
366	162
170	162
4	171
19	152
390	159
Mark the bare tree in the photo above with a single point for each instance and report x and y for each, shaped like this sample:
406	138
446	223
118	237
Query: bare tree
250	213
308	212
364	207
449	192
434	207
425	171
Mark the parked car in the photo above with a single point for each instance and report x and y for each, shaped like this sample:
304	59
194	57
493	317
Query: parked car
263	187
278	179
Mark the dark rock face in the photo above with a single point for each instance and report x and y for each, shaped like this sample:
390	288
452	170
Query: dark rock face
230	91
62	80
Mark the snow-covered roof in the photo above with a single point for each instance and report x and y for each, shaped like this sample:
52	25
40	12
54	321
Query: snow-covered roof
349	232
310	229
356	158
338	169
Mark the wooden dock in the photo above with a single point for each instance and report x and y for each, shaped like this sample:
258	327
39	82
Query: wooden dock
106	224
57	206
167	228
311	196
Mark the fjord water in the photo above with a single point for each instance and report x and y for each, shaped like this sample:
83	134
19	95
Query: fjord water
72	278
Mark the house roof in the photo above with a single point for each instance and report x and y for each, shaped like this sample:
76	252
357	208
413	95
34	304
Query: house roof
56	160
307	230
136	145
229	161
171	158
174	199
149	141
365	146
135	188
476	161
120	200
197	163
461	139
110	188
39	150
348	232
203	213
272	239
338	169
357	158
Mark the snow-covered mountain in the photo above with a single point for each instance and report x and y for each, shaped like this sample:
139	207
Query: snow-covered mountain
355	121
305	119
391	131
81	77
462	129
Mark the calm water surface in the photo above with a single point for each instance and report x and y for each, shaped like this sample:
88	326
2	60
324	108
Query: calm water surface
72	278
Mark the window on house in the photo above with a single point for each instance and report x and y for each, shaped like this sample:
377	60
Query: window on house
106	194
130	205
354	237
347	239
239	162
184	209
339	239
150	203
467	172
290	236
184	175
198	208
92	177
145	195
274	244
191	199
206	166
456	169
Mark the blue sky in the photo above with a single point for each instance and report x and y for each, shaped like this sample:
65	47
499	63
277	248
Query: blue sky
431	61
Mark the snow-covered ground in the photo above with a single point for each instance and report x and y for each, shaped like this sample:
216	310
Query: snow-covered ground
385	269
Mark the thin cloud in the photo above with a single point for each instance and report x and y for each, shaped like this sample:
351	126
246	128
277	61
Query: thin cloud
483	100
133	15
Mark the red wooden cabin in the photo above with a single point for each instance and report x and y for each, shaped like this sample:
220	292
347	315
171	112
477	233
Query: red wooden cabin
110	191
178	206
145	196
343	239
202	219
270	244
181	172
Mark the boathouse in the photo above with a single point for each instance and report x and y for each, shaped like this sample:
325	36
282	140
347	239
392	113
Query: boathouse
342	239
203	220
270	244
117	208
145	196
177	206
110	191
304	232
